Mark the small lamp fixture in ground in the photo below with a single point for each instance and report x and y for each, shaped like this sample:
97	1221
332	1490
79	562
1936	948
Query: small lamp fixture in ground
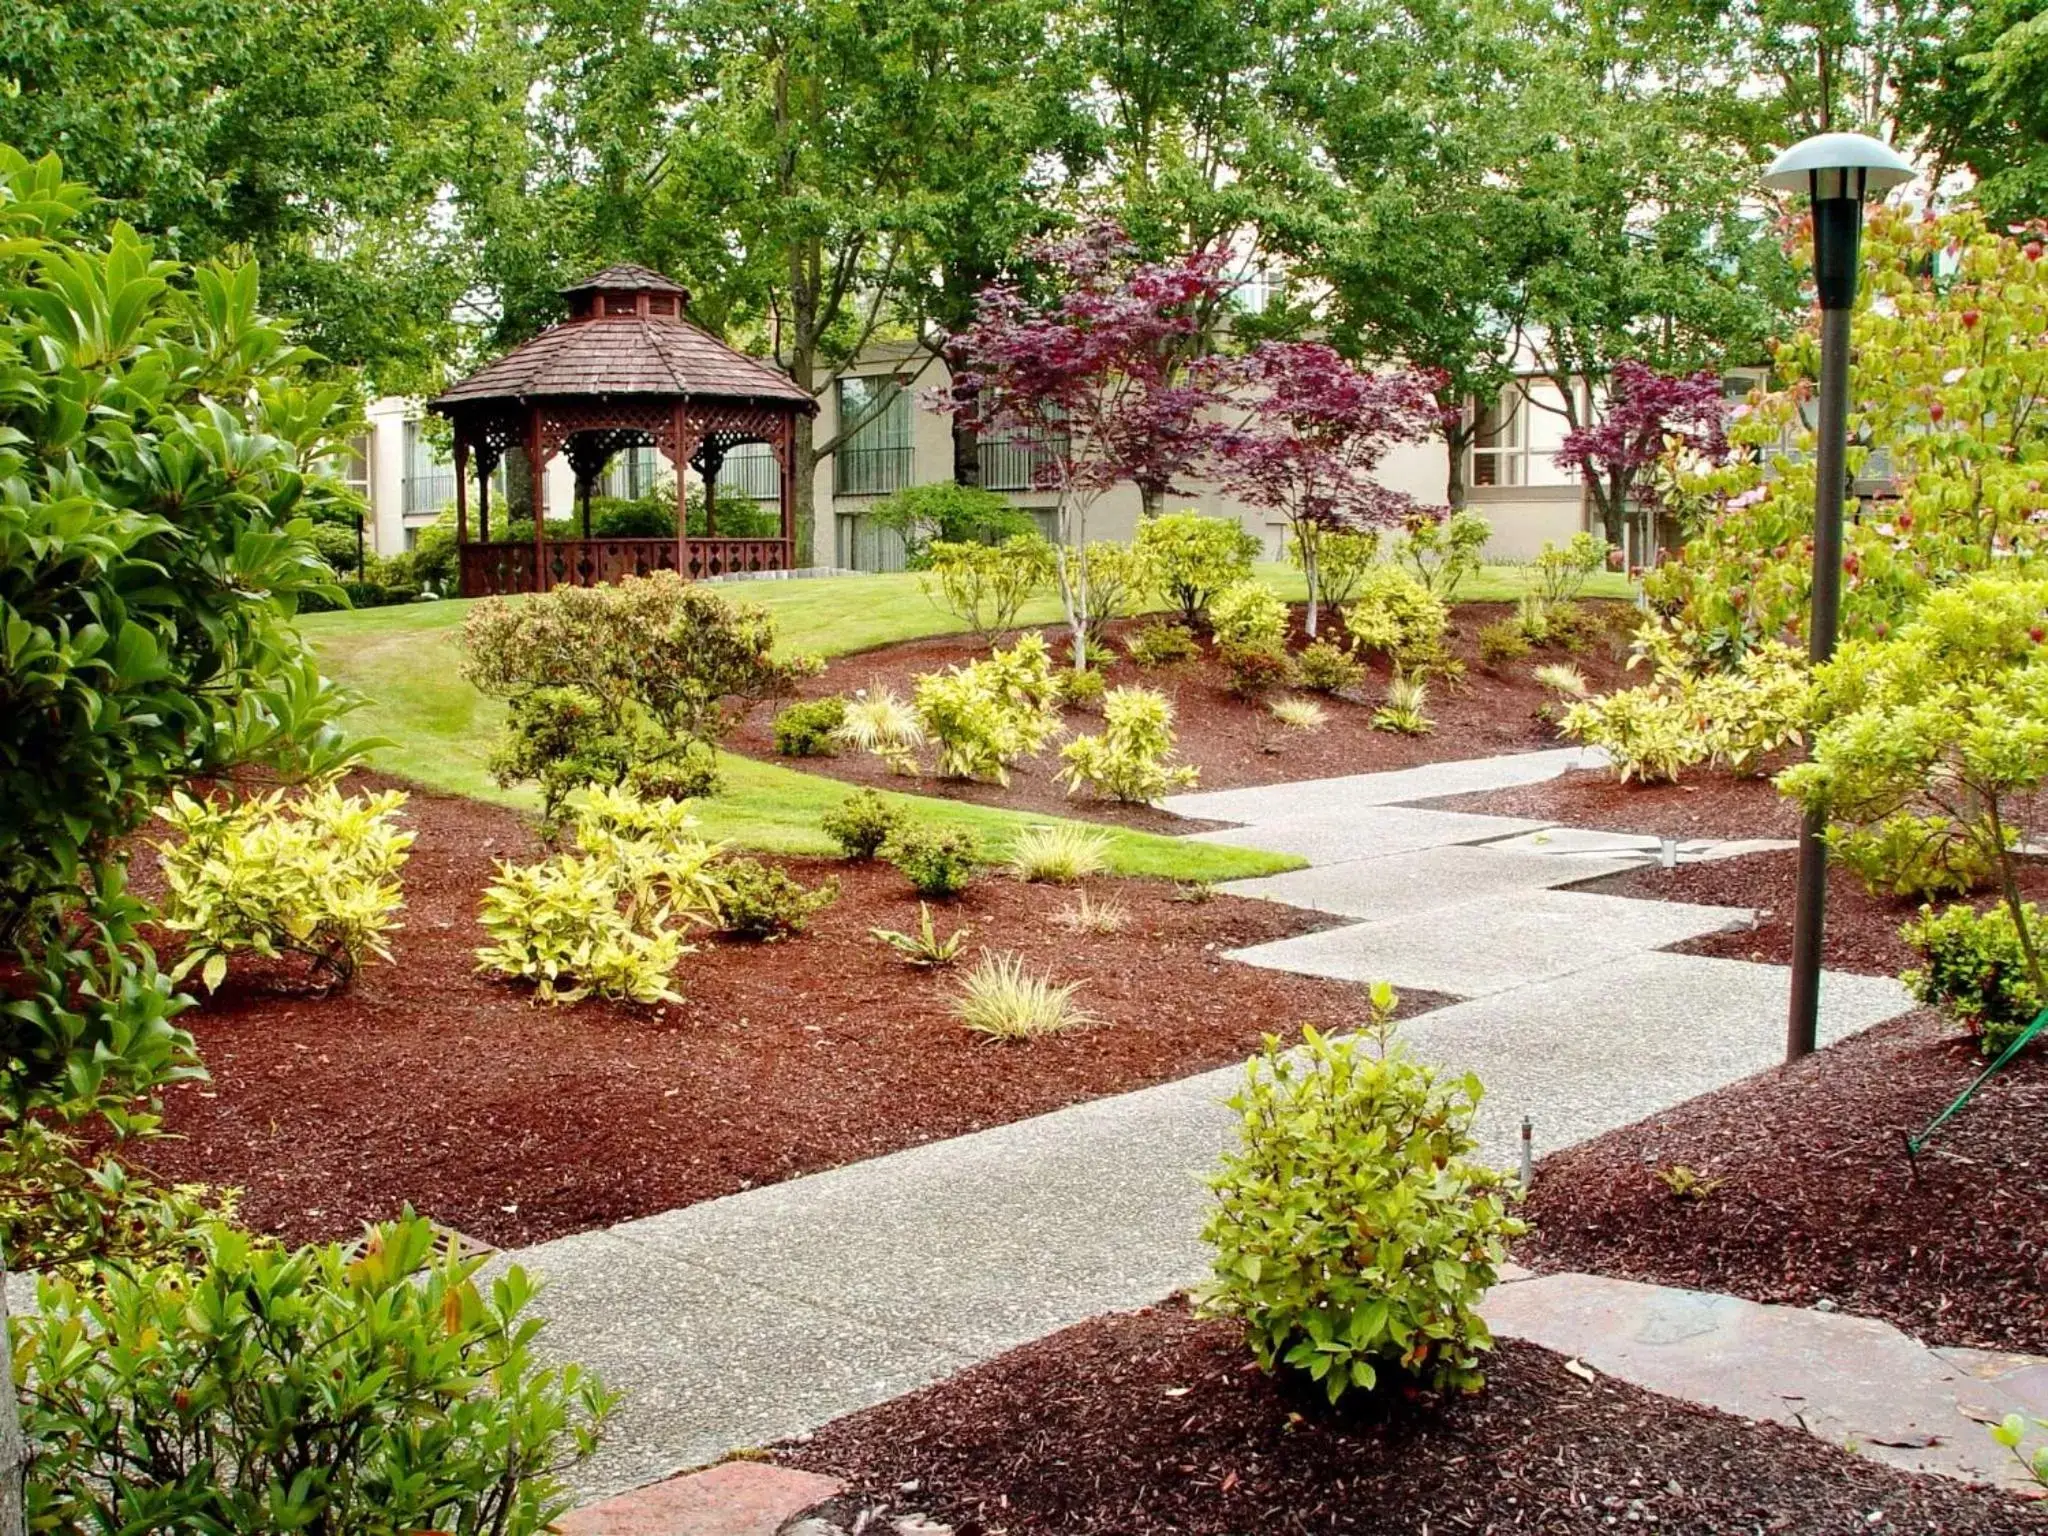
1836	171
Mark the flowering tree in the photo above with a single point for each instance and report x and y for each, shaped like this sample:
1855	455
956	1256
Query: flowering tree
1648	414
1317	428
1100	377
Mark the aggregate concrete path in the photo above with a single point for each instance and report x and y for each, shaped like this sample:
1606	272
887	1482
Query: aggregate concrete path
742	1320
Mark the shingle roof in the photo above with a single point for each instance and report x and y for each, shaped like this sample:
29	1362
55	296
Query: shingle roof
628	276
627	355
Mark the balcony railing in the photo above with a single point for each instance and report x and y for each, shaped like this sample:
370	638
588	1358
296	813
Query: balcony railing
1013	463
429	490
870	471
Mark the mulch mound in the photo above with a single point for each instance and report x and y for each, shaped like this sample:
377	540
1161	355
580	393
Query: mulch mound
1817	1199
1704	804
1233	742
513	1122
1154	1423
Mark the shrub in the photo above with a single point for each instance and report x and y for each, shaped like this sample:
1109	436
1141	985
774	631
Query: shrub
1162	645
688	772
1649	734
1343	556
1002	1000
985	716
1324	667
939	862
1059	854
1975	968
1573	627
562	740
1082	690
1248	614
1355	1232
861	823
1118	578
1395	615
1734	718
924	948
883	724
945	513
312	876
1753	709
1916	856
261	1390
809	729
1128	760
1561	572
1299	714
765	902
986	586
1403	711
1501	642
1253	671
1532	618
1442	552
1193	557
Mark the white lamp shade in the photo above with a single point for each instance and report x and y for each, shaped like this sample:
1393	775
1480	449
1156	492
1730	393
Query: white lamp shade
1838	165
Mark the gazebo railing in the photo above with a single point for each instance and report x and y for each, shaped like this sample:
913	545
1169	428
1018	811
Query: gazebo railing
495	570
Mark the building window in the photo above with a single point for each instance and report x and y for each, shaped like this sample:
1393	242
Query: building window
630	475
750	471
875	459
1013	460
355	465
429	474
1500	440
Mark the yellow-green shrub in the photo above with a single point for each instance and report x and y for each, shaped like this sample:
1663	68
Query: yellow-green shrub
1395	615
985	716
1192	557
986	585
1128	760
313	875
1248	614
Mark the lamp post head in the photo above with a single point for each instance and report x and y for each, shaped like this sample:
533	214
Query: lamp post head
1835	165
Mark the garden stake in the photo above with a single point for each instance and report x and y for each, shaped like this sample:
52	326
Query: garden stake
1528	1154
1915	1143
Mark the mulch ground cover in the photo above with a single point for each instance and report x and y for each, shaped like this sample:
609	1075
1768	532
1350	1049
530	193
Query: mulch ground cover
1234	742
1816	1199
1703	804
514	1122
1154	1423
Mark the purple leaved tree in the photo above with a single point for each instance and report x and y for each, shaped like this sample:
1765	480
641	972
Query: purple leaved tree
1646	413
1101	379
1315	430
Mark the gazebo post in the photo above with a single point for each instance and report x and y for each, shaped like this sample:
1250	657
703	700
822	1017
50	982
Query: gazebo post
484	466
537	475
786	441
679	460
461	489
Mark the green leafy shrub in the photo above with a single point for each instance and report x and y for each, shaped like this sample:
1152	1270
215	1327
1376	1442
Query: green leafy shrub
1118	579
861	823
1325	667
945	513
1002	1000
1649	734
1192	558
1532	618
1392	614
1355	1231
1733	717
1561	573
1059	854
312	876
1343	556
1129	759
1501	642
765	902
938	861
1975	968
1916	856
1442	552
1253	671
1404	710
687	772
985	716
1248	614
1082	690
924	949
810	729
1573	627
986	586
1162	645
262	1390
881	723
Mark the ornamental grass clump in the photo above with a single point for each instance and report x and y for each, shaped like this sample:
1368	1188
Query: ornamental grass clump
1355	1229
307	876
881	723
1063	853
1003	1001
1299	714
1129	760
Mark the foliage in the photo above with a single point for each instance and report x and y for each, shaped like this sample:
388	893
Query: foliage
690	773
1062	853
1118	578
1502	641
1648	734
1976	968
262	1389
1571	626
1404	711
1317	427
1325	667
924	949
1193	557
1002	1000
1442	552
1685	1182
312	875
986	715
1087	916
1082	690
1561	573
1256	670
939	861
883	724
2010	1431
925	516
1248	614
1343	556
57	1210
1299	714
1648	417
1128	761
1562	679
985	586
862	822
1393	614
1732	717
1162	645
764	901
1916	856
1355	1229
810	728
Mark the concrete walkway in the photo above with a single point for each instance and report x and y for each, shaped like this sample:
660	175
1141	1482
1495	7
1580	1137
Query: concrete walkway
741	1320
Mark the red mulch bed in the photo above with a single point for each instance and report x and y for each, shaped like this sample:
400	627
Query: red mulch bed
1700	805
1818	1199
514	1122
1154	1423
1233	742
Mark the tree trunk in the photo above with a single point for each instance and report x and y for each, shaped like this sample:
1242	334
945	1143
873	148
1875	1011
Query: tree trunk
1309	575
13	1453
1151	500
804	451
1454	474
966	452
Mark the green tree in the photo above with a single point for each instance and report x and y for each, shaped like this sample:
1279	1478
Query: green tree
1978	93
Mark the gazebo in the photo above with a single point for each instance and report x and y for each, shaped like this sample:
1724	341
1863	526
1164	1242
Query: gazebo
627	369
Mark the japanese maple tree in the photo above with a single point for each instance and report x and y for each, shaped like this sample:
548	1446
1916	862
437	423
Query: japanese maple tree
1101	378
1316	429
1647	414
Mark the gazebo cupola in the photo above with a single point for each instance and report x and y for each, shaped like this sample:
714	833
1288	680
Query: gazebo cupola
627	369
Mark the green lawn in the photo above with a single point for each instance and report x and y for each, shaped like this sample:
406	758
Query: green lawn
406	662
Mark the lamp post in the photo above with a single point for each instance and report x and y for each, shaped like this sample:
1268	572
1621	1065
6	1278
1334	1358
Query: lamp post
1836	171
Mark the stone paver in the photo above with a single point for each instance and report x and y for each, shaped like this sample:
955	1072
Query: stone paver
1495	943
1423	880
734	1498
1852	1381
1430	781
1332	837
